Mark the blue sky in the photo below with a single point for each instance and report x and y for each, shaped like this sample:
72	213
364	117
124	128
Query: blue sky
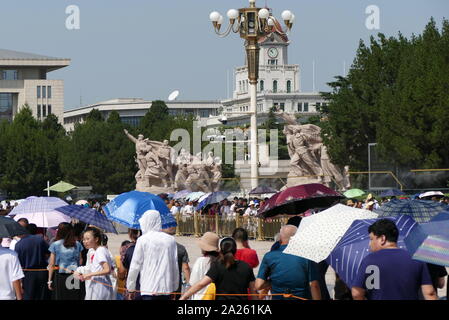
148	48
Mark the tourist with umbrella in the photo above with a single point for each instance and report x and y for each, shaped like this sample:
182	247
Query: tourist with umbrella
396	276
33	254
429	242
10	269
287	273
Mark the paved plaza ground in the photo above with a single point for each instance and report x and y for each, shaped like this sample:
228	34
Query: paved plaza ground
261	247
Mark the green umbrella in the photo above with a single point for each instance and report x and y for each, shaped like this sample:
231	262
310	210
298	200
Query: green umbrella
354	193
61	186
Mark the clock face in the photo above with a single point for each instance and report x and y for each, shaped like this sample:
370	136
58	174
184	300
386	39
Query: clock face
272	52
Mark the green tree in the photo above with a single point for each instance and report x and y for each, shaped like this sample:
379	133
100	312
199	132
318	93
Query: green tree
395	94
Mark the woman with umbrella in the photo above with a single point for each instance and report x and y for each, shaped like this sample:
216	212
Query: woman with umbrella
66	254
10	270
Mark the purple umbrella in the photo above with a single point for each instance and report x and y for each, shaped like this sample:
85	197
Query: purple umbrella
347	256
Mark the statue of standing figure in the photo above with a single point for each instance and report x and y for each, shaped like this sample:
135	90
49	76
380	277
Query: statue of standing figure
308	154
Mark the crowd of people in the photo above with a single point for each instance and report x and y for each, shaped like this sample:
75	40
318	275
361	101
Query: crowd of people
73	262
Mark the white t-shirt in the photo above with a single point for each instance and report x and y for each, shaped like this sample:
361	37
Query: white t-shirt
188	210
10	270
250	212
225	210
199	270
174	210
13	243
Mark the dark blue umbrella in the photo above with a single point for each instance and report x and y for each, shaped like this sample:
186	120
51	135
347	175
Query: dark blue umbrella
429	242
347	256
392	193
129	207
214	197
10	228
262	190
420	210
88	215
442	216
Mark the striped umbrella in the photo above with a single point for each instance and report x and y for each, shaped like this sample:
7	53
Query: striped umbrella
181	194
89	216
194	196
41	211
347	256
420	210
430	242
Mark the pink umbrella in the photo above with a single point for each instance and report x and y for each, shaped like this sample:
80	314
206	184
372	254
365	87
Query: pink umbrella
41	211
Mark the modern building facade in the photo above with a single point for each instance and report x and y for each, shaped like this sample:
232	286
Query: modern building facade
132	110
23	81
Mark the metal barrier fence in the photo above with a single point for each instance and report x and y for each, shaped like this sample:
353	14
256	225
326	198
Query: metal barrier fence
258	229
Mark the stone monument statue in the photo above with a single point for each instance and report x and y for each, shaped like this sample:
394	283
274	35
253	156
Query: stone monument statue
309	160
160	170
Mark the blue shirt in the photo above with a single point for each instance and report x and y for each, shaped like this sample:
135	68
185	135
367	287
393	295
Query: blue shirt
288	273
399	277
66	258
32	251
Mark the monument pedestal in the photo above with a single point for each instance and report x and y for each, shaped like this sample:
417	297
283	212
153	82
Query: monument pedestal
293	180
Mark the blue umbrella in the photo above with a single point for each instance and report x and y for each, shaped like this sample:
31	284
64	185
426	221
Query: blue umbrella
429	242
181	194
129	207
347	256
420	210
392	193
214	197
194	196
441	216
88	215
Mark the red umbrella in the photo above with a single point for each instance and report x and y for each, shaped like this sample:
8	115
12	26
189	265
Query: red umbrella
298	199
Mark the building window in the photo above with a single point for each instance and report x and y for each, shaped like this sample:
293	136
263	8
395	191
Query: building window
38	92
289	86
240	86
49	109
299	106
44	110
10	75
38	111
273	62
306	107
6	106
262	83
49	92
275	86
204	113
132	121
44	91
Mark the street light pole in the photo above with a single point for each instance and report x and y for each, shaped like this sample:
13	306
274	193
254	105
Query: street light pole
253	24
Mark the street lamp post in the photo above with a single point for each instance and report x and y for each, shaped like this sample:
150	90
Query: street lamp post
253	24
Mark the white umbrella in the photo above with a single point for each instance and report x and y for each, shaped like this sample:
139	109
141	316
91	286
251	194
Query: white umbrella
81	202
431	194
41	211
322	231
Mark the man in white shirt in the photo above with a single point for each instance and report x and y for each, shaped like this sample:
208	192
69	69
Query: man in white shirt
188	210
251	210
155	258
10	275
175	209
